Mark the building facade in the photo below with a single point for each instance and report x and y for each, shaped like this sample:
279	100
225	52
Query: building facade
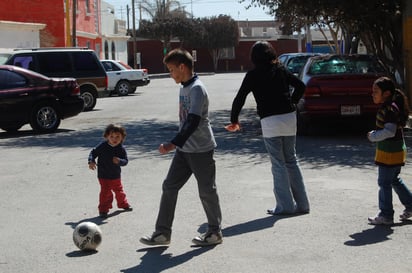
57	16
114	38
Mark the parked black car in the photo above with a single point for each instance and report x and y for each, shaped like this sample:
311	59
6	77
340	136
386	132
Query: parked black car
27	97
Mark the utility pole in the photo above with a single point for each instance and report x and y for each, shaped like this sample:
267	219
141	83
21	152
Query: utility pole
134	36
127	16
74	23
68	37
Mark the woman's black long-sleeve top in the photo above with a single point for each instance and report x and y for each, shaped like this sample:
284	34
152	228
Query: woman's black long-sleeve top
270	86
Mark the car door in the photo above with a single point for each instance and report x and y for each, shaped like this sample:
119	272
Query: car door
113	73
15	97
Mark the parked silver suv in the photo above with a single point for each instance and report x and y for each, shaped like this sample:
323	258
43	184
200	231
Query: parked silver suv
79	63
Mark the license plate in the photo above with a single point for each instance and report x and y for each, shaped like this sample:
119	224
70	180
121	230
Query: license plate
350	110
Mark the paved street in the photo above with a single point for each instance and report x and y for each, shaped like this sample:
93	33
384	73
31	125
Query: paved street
47	189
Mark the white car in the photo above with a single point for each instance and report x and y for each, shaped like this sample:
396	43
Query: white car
122	79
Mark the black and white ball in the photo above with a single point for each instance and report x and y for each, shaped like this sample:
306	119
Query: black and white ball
87	236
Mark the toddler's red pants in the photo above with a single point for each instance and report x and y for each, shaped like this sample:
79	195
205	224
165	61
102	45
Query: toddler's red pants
107	187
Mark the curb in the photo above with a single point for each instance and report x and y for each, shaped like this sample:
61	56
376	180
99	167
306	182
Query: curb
166	75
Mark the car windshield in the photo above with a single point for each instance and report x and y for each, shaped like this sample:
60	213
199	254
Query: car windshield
345	65
4	57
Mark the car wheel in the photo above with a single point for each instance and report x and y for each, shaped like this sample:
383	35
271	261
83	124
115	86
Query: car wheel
89	98
45	117
123	88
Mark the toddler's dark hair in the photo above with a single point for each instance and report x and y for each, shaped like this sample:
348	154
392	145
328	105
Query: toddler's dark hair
179	56
116	129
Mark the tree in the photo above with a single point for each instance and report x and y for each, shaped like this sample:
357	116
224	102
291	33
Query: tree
165	29
168	20
214	34
163	8
378	23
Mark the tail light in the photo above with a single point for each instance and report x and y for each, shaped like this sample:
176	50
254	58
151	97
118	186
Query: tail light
145	71
312	91
76	90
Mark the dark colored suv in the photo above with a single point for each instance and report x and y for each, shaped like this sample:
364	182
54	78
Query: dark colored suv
79	63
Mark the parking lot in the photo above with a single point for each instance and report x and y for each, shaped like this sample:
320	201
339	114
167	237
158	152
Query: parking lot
47	189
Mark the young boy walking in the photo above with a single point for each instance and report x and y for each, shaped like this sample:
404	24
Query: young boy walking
194	144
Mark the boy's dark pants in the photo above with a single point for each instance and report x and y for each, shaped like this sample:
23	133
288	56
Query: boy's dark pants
183	165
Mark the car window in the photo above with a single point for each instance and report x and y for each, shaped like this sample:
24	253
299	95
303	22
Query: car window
126	66
346	65
10	79
85	61
282	59
54	62
296	64
25	61
109	66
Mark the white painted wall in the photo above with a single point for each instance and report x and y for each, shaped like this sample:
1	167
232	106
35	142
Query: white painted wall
113	34
20	35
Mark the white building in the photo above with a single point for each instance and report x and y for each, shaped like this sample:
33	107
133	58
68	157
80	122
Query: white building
114	37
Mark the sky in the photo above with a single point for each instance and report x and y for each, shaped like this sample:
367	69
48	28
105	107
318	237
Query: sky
204	8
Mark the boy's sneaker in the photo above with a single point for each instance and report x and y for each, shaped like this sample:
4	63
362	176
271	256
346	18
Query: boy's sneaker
157	239
406	215
380	220
208	239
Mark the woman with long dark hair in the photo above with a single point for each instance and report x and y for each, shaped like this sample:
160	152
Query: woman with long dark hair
270	82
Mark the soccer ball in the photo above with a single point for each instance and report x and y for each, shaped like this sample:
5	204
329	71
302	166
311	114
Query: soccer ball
87	236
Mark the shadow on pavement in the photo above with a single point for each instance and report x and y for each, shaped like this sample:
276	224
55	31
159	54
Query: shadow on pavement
374	235
97	220
254	225
155	260
345	146
81	253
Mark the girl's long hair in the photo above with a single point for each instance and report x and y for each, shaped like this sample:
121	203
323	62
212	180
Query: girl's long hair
398	97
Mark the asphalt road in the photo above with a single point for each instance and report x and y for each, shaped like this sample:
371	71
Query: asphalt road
47	189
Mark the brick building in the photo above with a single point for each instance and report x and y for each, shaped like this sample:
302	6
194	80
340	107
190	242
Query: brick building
58	20
151	55
232	59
